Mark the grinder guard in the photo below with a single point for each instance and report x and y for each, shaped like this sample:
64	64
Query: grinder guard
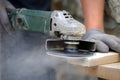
58	47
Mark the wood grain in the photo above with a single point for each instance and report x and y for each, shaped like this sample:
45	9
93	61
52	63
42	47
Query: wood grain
108	71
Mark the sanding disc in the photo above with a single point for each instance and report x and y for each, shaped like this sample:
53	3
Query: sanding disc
65	54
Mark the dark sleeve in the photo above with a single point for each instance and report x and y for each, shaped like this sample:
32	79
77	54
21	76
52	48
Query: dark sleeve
32	4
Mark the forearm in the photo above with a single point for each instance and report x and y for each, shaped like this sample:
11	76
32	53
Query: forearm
93	13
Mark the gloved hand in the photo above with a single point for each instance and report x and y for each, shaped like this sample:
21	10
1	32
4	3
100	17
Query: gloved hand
4	21
103	41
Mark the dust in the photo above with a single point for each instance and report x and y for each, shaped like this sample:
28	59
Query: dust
25	57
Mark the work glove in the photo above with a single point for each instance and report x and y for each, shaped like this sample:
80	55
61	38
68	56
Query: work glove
4	20
104	42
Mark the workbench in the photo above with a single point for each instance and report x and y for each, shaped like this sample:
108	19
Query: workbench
107	68
106	72
104	66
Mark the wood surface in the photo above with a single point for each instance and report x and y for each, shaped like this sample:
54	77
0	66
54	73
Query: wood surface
108	71
96	59
103	65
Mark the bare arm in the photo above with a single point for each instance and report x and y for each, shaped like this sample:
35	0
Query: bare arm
93	13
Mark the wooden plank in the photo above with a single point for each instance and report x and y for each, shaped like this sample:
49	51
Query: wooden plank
96	59
93	60
93	65
109	71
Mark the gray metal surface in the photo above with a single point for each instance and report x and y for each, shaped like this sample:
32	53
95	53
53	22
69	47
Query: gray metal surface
24	57
58	44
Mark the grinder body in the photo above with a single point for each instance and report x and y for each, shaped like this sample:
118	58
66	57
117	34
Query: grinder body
31	20
67	31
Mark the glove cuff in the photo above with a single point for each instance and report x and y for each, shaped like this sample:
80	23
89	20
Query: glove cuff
91	32
94	31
